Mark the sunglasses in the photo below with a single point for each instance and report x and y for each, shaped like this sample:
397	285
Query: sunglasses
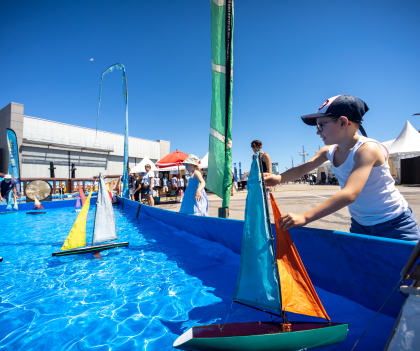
320	126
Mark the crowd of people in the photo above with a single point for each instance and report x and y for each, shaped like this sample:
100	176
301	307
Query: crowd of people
359	165
142	187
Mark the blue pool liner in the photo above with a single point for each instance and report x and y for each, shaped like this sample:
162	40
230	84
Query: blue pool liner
361	268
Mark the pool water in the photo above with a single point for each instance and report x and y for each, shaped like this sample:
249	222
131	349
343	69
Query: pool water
137	298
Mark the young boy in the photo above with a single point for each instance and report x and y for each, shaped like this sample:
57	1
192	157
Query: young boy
361	166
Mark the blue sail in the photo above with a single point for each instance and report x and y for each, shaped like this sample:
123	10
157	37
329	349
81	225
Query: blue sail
258	283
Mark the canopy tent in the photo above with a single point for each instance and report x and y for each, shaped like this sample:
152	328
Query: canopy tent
407	145
173	168
172	162
139	168
173	159
204	163
388	143
326	168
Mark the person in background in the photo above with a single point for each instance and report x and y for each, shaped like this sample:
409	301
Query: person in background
233	182
148	184
96	185
195	200
137	190
7	185
180	182
131	181
311	181
61	190
174	182
266	161
165	184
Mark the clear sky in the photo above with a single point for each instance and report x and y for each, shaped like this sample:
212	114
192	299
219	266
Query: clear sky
289	57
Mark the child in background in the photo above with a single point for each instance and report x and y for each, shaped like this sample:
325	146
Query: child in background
195	200
361	165
174	182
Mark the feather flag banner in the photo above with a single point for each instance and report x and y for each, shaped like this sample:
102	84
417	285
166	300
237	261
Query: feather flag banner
219	176
115	67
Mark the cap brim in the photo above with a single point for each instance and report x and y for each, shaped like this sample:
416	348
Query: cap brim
310	119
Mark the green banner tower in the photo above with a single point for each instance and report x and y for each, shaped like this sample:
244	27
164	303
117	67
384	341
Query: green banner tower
219	174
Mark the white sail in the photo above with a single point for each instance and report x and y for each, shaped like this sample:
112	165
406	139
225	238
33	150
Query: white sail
104	218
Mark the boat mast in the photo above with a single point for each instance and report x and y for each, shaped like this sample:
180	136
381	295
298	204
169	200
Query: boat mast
270	229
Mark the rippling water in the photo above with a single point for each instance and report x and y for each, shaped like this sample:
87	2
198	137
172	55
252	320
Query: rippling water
136	298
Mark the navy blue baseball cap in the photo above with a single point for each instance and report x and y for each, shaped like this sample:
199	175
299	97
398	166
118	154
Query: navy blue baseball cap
340	105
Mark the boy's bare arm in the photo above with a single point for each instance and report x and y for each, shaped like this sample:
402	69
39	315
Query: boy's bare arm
297	172
364	160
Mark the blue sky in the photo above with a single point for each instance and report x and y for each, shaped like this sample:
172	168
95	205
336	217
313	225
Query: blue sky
289	57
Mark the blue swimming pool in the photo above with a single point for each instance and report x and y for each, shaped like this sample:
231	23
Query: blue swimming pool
137	298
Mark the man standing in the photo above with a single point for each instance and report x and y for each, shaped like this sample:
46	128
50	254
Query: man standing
131	184
148	184
6	186
164	184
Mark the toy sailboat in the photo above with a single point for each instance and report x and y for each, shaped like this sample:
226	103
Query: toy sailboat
104	227
38	209
81	198
268	283
78	206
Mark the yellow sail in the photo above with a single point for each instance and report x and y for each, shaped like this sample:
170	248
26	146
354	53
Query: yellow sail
16	205
77	235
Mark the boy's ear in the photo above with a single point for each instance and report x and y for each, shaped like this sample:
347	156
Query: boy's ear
344	122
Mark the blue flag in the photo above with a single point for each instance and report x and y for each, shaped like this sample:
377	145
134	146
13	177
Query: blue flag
119	66
13	157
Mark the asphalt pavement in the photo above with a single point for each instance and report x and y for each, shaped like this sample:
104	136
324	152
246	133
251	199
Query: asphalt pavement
300	198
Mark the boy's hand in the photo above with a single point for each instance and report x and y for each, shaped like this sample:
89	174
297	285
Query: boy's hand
272	179
292	220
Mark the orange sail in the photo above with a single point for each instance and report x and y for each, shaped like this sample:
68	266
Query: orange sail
82	195
297	292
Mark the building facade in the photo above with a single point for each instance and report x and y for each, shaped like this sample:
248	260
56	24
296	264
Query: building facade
42	141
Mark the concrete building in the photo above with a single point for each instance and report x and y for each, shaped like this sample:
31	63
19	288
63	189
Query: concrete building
41	142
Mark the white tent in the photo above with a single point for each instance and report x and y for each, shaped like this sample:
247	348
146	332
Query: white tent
205	162
388	143
407	145
326	168
173	168
139	168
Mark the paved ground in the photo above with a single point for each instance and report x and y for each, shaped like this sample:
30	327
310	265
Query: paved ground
299	198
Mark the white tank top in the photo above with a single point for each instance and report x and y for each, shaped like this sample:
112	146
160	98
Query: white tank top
379	201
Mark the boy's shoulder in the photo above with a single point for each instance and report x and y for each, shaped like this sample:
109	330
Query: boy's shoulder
369	151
